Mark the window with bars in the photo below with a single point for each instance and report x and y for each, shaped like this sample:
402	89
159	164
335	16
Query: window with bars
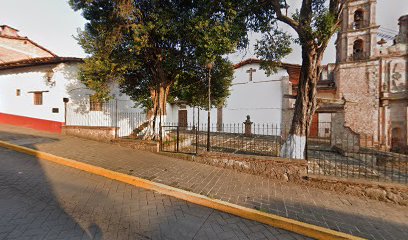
95	105
38	98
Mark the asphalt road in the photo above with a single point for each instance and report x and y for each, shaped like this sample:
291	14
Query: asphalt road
42	200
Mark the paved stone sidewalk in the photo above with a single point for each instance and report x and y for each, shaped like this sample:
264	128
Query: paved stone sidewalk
43	200
365	218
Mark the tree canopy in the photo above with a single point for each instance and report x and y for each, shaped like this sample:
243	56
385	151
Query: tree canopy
156	49
144	43
150	46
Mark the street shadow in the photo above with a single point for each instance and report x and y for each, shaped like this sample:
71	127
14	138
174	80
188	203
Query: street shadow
29	205
39	201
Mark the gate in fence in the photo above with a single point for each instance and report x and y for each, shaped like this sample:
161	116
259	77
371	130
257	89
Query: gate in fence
182	139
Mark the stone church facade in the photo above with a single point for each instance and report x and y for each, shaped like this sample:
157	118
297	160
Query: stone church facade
371	78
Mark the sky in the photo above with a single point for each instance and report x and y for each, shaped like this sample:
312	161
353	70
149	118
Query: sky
53	25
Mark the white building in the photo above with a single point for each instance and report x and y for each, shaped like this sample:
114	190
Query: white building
35	86
253	94
40	90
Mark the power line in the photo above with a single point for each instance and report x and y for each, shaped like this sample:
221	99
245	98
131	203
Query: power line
389	29
386	32
386	36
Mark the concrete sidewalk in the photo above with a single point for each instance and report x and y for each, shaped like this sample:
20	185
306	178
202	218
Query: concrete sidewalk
364	218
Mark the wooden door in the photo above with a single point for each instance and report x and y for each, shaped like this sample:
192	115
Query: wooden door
397	138
182	118
314	128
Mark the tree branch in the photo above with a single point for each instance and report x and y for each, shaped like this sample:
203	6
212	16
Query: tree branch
306	12
336	8
283	18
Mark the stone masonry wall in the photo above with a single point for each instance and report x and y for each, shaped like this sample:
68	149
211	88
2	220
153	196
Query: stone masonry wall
343	138
358	85
104	134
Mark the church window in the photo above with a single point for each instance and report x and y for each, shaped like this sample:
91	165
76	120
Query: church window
358	19
358	50
38	98
18	92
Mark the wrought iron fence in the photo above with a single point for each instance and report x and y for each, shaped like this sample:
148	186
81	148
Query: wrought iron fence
183	139
260	139
357	156
118	114
345	155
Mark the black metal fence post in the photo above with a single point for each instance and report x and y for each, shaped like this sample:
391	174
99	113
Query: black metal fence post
198	129
116	119
160	138
208	132
178	138
196	138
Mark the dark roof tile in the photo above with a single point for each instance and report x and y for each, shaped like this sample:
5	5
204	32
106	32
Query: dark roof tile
38	61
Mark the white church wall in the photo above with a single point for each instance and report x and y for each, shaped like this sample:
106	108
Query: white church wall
192	115
203	116
260	98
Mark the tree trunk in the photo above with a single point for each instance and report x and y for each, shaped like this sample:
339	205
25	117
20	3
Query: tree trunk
158	112
305	105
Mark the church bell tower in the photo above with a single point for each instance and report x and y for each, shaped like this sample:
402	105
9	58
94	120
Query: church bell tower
357	38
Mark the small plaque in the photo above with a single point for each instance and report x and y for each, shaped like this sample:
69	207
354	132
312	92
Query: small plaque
55	110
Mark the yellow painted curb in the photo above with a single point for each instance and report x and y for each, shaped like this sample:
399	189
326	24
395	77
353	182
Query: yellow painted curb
302	228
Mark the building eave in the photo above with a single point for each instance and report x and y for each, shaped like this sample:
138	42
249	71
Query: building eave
38	61
4	25
258	61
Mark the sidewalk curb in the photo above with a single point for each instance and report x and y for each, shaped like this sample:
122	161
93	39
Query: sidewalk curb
305	229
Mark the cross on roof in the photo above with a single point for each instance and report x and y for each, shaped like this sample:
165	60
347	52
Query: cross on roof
250	71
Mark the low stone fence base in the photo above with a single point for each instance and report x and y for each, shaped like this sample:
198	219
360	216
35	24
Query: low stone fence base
274	168
386	192
104	134
138	144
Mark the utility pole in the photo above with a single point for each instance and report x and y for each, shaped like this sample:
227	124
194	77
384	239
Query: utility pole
209	66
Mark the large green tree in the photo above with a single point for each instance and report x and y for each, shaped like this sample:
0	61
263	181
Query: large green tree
314	24
147	46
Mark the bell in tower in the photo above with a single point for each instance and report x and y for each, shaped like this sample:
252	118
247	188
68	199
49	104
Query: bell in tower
357	38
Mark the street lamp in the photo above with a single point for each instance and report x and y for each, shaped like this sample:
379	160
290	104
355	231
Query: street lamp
209	67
